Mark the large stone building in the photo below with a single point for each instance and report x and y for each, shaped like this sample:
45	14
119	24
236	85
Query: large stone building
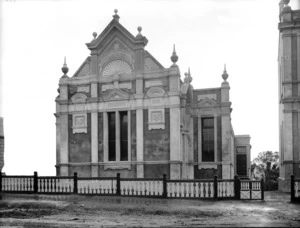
123	112
289	91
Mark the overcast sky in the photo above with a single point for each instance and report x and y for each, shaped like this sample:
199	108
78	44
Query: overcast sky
36	35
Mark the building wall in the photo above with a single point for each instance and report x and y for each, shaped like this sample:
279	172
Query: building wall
289	93
1	144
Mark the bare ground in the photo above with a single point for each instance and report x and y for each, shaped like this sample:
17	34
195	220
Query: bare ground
99	211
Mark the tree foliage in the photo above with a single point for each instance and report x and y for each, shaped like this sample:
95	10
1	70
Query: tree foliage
266	166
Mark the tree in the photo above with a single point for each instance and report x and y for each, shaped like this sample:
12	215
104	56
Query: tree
266	166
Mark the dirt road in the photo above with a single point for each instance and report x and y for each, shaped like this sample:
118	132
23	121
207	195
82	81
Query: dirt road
96	211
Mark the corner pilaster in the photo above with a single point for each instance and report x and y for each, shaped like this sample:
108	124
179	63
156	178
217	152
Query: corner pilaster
64	145
175	166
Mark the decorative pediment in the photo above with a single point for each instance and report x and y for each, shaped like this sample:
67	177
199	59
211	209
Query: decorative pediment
155	92
115	29
78	98
115	94
207	102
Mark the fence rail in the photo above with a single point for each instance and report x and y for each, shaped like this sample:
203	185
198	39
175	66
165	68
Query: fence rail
138	187
295	189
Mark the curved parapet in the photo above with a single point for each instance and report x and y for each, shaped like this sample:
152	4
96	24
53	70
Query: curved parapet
1	144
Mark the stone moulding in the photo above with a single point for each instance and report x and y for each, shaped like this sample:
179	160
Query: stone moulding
119	166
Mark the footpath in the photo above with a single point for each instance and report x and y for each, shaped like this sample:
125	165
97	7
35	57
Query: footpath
20	210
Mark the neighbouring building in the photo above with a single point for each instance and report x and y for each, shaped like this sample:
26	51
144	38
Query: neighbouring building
289	91
1	144
123	112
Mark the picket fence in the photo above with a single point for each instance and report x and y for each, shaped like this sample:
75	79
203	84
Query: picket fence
138	187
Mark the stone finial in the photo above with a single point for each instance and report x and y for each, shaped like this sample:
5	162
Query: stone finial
174	57
286	8
94	35
188	78
225	75
185	77
116	16
65	69
139	35
139	29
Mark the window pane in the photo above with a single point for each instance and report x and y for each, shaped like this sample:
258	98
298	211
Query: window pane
208	149
111	136
241	161
124	136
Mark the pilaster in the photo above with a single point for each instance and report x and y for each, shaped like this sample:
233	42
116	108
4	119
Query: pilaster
129	135
94	67
105	137
215	138
140	142
94	140
226	141
191	150
175	169
64	145
288	136
57	144
199	139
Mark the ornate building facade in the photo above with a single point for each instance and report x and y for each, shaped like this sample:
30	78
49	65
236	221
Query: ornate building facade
289	91
123	112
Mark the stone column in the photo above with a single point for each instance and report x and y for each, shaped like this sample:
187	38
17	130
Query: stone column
118	136
105	137
94	140
175	166
140	142
64	145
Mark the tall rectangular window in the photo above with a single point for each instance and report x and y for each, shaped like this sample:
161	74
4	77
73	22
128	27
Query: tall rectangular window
241	161
111	136
208	140
124	136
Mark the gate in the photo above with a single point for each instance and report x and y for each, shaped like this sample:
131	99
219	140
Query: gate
252	190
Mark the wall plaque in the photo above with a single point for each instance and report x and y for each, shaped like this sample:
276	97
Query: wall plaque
156	119
79	123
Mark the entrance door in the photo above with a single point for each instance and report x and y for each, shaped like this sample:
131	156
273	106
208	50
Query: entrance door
241	166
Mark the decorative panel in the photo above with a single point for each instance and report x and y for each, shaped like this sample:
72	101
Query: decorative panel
116	67
78	98
156	119
79	123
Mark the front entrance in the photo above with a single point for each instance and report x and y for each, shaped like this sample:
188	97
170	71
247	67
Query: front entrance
241	165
